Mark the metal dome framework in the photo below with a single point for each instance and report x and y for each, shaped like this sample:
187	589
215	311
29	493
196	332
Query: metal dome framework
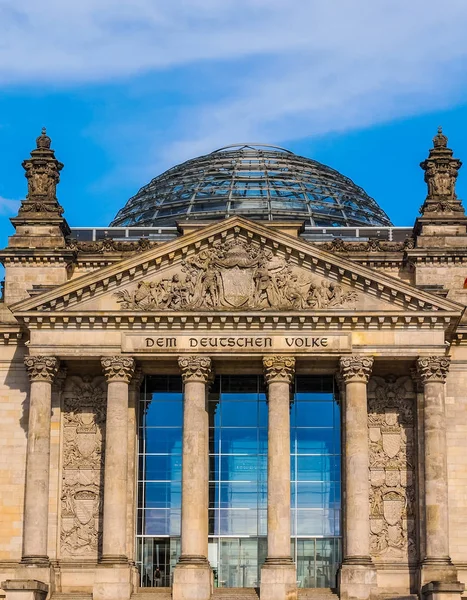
256	181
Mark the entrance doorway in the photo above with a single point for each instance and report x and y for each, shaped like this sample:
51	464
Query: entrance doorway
238	480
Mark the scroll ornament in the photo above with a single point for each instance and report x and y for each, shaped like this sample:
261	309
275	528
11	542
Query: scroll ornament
118	368
195	368
356	368
279	368
433	368
42	368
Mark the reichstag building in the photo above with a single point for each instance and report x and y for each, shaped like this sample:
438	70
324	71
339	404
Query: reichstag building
250	384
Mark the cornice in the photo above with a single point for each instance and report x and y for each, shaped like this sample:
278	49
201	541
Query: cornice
35	257
298	252
230	321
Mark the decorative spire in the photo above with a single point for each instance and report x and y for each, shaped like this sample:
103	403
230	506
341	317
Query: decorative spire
441	171
43	175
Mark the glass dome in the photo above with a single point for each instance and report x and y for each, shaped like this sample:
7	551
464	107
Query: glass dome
256	181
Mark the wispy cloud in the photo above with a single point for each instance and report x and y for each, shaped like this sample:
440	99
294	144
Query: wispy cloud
295	68
8	207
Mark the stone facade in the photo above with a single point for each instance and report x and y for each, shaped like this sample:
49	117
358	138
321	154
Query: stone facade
82	322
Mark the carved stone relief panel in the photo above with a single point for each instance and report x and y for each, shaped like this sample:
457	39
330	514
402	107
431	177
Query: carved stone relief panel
235	274
84	409
391	429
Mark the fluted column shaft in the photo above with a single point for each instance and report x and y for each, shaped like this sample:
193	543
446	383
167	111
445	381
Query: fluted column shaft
42	371
433	371
196	374
278	373
118	371
355	372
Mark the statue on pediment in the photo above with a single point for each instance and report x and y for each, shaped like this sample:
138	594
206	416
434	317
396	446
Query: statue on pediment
236	276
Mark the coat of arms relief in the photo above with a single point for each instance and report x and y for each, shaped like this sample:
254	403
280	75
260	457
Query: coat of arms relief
84	402
391	405
236	275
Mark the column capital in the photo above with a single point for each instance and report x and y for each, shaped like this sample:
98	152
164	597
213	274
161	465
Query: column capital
433	368
118	368
279	368
42	368
356	368
195	368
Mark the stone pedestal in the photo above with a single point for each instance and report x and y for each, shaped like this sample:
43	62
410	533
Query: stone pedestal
278	574
193	577
112	582
118	371
42	371
437	567
357	575
437	590
25	589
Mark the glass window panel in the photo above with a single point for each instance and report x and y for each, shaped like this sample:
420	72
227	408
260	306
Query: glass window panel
160	412
241	495
313	440
163	440
314	414
241	441
238	522
161	522
163	494
162	467
236	414
242	468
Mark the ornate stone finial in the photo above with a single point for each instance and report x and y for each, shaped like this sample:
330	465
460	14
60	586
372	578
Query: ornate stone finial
42	368
440	140
279	368
195	368
433	368
118	368
43	141
441	171
356	368
43	175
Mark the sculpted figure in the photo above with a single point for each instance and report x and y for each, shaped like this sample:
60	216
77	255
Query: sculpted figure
210	288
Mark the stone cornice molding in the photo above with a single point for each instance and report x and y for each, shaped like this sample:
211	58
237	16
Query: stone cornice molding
299	253
42	368
118	368
433	368
195	368
279	368
356	368
336	320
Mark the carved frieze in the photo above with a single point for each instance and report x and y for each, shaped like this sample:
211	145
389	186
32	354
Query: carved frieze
236	275
391	425
84	409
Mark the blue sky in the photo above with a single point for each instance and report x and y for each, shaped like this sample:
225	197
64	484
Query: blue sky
128	88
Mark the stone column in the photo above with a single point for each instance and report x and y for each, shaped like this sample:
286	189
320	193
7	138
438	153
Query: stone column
278	574
357	575
118	371
41	371
193	575
437	565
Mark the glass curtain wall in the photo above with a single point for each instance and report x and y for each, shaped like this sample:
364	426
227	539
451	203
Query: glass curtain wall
238	480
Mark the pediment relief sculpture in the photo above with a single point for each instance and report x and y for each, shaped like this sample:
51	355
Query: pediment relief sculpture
236	276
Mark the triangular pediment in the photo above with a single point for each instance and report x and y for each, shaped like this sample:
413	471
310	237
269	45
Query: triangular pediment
231	267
